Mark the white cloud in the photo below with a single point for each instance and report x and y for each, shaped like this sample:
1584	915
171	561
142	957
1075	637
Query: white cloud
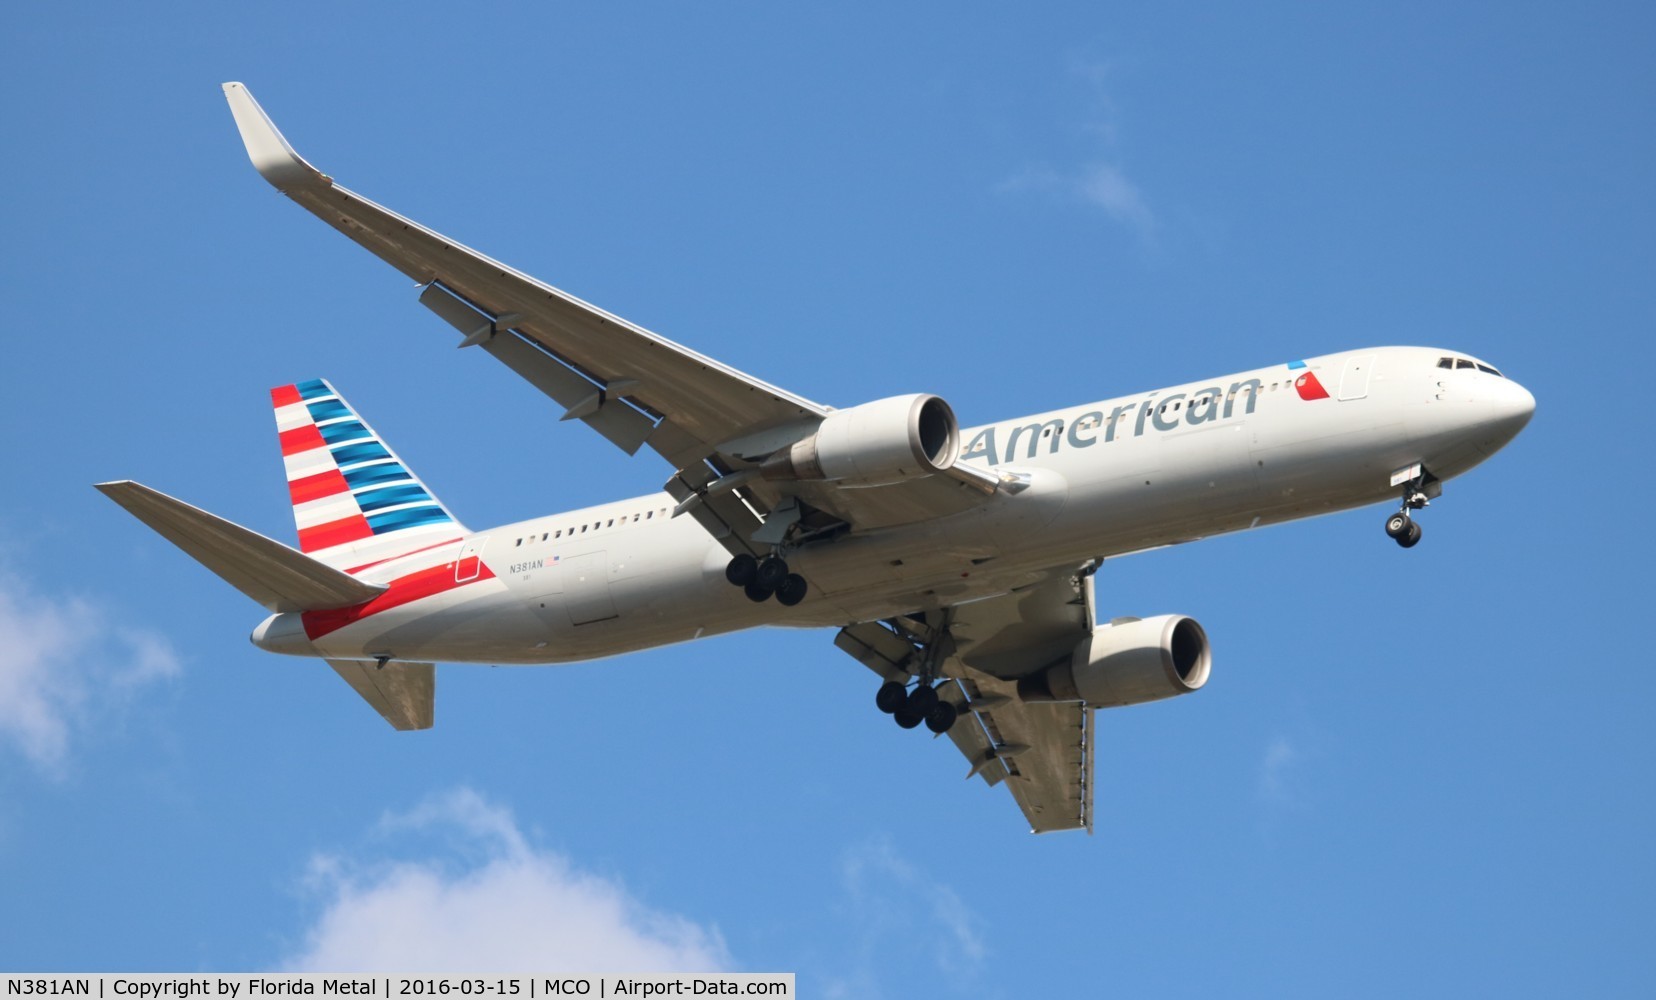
1276	772
1100	181
64	665
488	900
1105	185
897	905
1100	184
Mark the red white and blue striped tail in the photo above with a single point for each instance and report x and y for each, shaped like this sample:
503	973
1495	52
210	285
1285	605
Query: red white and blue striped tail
354	501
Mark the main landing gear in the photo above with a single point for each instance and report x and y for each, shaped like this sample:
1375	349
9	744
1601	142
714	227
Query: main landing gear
912	706
915	648
760	578
1401	527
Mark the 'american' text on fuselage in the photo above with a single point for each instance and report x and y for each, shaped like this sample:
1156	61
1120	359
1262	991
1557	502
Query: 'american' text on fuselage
1162	413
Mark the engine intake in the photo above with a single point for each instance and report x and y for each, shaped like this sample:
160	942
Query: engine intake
886	441
1127	664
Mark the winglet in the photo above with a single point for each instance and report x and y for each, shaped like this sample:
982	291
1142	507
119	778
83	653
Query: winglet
271	155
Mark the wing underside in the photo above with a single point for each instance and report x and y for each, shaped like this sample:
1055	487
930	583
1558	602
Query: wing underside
1041	751
632	386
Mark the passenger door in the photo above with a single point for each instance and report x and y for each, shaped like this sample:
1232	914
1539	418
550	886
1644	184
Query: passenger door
586	588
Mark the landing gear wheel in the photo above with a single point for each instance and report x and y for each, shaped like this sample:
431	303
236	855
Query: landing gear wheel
922	700
1411	539
757	593
791	591
891	698
741	570
772	571
907	719
1397	526
939	719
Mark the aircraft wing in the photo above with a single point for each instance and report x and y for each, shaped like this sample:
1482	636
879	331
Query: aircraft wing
633	386
1041	751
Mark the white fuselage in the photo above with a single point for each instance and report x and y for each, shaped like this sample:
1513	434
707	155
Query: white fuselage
1091	481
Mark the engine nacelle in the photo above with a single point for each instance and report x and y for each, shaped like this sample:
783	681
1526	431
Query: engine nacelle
886	441
1136	661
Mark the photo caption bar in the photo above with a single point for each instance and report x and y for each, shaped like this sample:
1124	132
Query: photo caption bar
258	986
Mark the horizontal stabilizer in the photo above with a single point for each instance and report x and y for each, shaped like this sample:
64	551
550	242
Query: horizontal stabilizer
405	693
264	569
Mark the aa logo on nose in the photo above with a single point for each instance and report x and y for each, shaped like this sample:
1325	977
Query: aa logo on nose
1309	388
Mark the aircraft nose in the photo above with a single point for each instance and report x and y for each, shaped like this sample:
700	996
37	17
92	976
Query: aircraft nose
1507	408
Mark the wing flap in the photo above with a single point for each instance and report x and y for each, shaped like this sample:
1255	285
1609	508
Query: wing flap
404	693
264	569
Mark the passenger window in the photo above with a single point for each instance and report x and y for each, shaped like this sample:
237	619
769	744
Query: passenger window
583	529
543	536
520	543
611	523
558	533
649	515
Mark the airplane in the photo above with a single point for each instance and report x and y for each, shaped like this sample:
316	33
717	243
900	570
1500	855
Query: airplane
957	563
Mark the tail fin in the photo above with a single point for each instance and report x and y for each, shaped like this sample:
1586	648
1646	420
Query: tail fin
354	501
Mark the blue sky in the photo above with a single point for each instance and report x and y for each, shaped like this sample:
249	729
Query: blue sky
1420	772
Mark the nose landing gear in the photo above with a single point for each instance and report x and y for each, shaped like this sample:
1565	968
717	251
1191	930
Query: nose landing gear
1417	494
762	578
1403	529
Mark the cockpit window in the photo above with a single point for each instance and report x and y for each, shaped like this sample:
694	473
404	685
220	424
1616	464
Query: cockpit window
1464	363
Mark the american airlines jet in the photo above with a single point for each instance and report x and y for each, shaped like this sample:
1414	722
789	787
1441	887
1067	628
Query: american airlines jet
956	562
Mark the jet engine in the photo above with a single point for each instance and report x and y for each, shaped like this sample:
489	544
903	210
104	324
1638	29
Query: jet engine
1127	663
886	441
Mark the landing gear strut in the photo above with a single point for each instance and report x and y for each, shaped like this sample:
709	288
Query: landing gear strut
762	578
1401	527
